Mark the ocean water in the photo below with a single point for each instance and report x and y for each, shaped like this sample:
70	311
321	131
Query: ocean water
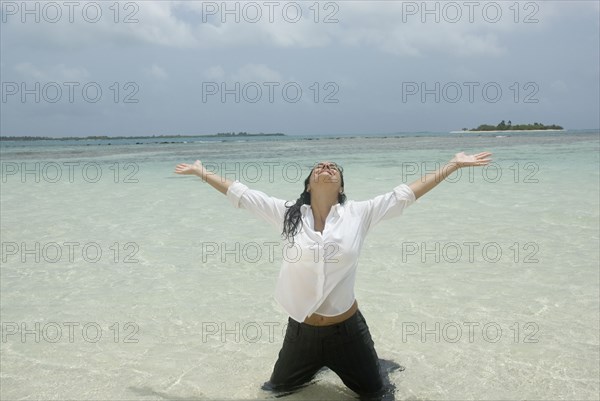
122	280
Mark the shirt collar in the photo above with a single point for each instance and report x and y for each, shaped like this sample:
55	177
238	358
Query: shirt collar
338	209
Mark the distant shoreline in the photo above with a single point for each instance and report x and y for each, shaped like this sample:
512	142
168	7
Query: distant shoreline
506	130
95	137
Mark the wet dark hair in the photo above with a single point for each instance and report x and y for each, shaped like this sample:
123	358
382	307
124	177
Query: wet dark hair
292	222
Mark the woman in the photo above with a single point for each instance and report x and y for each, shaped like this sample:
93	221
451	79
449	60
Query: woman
316	288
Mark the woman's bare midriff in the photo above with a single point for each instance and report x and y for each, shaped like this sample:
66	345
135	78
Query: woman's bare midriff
320	320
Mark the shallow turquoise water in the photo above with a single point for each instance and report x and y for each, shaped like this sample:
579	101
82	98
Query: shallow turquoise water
148	284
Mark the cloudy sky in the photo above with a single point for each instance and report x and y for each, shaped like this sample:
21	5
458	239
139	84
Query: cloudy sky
304	67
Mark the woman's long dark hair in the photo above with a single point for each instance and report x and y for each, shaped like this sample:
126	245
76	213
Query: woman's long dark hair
292	222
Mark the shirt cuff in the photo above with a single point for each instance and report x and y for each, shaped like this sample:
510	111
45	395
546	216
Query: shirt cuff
403	192
235	192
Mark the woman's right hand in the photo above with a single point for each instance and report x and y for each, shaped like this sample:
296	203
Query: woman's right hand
219	183
190	169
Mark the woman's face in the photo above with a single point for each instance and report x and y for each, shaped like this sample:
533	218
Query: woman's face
326	173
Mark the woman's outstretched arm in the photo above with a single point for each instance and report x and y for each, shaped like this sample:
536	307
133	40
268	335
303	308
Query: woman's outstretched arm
216	181
426	183
264	206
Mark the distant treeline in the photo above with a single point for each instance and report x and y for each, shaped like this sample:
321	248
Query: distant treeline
95	137
503	126
244	134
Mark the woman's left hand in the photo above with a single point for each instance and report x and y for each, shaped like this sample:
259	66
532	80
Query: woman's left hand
479	159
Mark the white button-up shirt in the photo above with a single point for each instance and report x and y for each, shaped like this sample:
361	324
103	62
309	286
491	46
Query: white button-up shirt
319	269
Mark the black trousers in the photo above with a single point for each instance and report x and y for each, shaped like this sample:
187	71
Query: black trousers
346	348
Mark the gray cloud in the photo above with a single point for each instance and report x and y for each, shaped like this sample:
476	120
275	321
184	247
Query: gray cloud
354	73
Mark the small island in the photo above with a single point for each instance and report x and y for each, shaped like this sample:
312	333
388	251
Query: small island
503	126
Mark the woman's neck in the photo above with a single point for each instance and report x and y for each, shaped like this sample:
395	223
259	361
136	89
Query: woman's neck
321	206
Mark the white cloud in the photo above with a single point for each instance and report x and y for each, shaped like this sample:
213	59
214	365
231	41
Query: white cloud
256	73
28	71
158	25
247	73
387	26
59	72
156	72
214	72
149	22
559	86
393	28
